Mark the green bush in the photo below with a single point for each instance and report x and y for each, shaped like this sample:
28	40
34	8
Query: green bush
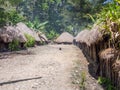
14	45
2	17
106	82
30	41
109	17
52	34
14	17
11	17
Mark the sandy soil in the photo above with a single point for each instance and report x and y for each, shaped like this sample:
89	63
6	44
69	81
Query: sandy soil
43	68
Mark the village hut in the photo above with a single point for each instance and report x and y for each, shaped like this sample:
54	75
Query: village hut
25	30
84	42
84	38
8	34
91	43
110	66
65	38
107	59
79	38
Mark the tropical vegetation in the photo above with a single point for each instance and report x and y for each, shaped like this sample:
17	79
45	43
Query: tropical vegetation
53	17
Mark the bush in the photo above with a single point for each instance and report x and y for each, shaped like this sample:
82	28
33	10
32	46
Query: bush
106	83
2	17
14	17
10	17
14	45
30	41
52	34
109	17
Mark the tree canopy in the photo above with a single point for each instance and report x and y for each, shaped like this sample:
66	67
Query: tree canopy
51	16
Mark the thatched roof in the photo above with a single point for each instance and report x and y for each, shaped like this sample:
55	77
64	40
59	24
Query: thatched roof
10	33
21	38
85	37
89	36
65	37
109	53
80	36
95	35
25	30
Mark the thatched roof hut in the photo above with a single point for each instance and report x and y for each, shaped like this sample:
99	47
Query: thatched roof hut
25	30
10	33
110	65
65	37
95	35
90	36
85	37
81	35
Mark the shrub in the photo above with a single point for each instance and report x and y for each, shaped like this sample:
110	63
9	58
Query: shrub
14	45
14	17
10	17
109	17
52	34
106	82
30	41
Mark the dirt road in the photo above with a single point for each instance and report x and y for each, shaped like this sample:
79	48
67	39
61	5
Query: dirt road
46	68
43	68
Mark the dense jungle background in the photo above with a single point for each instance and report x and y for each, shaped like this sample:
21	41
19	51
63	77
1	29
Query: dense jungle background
51	16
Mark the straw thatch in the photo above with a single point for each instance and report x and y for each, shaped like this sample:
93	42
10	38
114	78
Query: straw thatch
89	36
95	35
65	37
9	33
108	53
79	36
116	66
107	59
25	30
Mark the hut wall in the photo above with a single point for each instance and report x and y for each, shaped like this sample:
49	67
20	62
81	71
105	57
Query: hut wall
103	66
115	77
4	46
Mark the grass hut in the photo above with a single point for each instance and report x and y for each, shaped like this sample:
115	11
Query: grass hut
79	38
8	34
107	59
25	30
110	66
65	38
94	43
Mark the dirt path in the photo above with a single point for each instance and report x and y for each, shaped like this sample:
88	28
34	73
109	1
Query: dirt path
45	68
